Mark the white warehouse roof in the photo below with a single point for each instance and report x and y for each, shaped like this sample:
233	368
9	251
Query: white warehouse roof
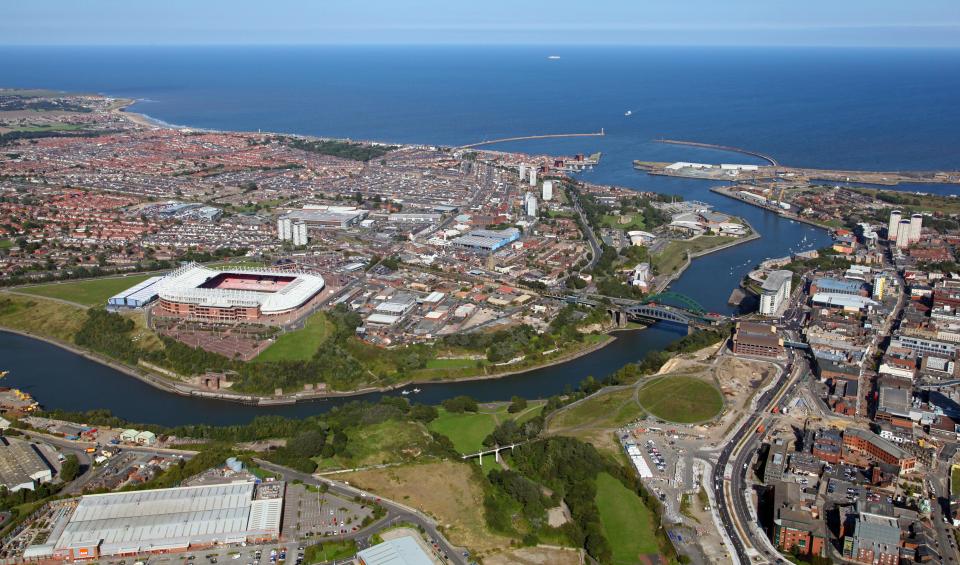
150	520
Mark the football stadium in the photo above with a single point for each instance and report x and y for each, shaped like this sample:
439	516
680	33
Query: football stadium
200	293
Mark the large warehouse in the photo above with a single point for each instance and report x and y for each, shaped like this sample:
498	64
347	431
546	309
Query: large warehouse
197	292
164	520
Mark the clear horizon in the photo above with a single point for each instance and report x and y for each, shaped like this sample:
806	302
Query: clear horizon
695	23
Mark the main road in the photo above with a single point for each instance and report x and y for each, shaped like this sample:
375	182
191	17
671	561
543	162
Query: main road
729	475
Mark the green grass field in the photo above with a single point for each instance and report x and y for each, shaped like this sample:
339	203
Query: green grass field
89	292
611	409
6	243
388	442
681	399
451	363
627	523
674	254
299	345
468	429
329	551
465	430
636	222
42	317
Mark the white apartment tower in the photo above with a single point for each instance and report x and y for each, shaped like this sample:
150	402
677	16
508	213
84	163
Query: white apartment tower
300	237
523	171
894	225
533	176
547	190
530	203
284	229
916	222
903	234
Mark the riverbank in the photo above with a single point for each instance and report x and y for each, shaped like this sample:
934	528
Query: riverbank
165	384
724	191
662	285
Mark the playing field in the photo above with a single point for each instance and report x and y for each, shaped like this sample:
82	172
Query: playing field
627	523
299	345
466	430
89	292
681	399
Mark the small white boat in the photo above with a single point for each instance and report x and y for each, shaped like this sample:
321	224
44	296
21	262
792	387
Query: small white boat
553	57
404	392
416	391
628	113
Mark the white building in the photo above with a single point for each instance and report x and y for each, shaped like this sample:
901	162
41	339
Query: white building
164	520
533	176
284	229
300	237
547	190
916	222
523	171
894	225
640	277
775	290
903	234
530	204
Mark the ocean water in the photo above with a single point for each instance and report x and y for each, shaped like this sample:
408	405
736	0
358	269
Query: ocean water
872	109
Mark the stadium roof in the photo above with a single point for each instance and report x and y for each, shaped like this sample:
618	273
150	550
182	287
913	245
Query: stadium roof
183	285
152	520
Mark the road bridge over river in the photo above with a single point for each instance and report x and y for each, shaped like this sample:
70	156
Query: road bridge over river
665	307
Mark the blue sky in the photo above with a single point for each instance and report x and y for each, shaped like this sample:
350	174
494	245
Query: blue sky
877	23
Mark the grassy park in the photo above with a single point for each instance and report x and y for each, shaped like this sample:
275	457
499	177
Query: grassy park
674	254
302	344
681	399
88	292
605	410
468	429
627	523
41	317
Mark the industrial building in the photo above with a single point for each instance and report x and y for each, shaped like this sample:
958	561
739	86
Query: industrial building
136	296
338	217
21	465
776	288
487	240
165	520
197	292
757	339
400	551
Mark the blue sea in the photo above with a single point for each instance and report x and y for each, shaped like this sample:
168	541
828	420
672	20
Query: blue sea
831	108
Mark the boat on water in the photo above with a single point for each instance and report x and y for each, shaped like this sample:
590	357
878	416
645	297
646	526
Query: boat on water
628	113
404	392
4	373
416	391
553	57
